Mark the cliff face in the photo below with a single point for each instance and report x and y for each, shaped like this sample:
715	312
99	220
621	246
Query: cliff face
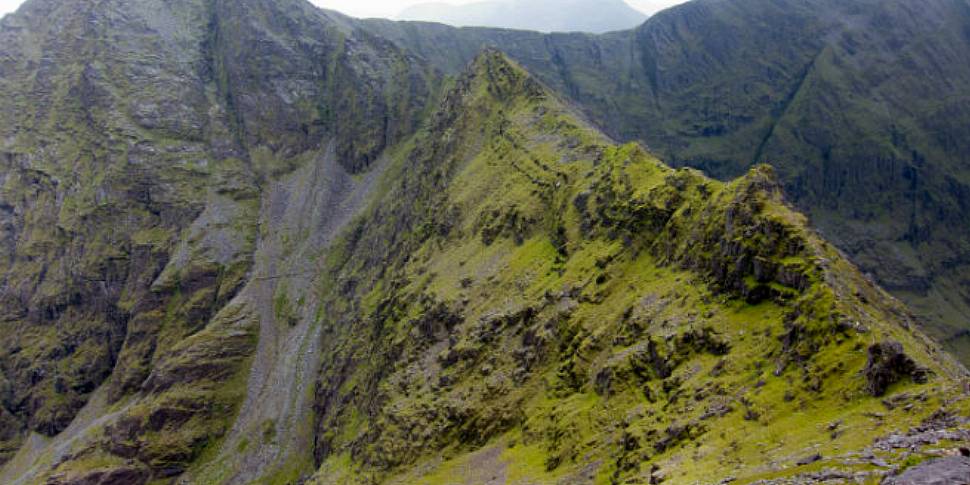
255	242
141	141
860	106
529	303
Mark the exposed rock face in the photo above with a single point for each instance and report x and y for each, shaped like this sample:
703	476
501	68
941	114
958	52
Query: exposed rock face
887	365
874	149
120	476
440	348
942	471
251	241
137	143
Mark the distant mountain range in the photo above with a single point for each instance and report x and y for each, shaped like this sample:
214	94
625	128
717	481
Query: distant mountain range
596	16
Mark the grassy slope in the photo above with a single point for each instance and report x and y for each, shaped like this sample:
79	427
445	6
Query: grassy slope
553	307
487	206
860	106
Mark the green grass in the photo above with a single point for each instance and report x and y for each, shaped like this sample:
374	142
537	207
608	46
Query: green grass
580	288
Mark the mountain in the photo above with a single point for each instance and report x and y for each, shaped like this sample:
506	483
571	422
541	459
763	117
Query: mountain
250	241
605	319
140	140
862	107
540	15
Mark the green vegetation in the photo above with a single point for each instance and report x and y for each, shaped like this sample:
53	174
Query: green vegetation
255	242
605	318
834	94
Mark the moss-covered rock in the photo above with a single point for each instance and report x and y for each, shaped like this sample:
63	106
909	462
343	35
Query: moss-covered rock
606	317
249	241
874	151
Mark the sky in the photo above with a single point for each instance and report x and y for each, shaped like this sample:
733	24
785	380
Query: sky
7	6
390	8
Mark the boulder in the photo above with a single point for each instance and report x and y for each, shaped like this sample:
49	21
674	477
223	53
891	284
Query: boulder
887	365
943	471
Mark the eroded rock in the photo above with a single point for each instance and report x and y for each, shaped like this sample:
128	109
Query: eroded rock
951	470
887	365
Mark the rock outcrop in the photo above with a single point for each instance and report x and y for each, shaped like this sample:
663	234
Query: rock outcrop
252	241
874	149
887	365
941	471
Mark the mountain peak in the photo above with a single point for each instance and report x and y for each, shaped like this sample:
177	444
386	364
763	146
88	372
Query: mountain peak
489	81
503	75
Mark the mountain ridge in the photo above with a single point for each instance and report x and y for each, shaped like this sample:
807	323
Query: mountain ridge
394	440
722	86
288	261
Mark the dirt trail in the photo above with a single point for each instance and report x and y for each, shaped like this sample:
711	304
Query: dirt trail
301	215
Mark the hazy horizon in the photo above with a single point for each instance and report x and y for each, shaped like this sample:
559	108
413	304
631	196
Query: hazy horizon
391	8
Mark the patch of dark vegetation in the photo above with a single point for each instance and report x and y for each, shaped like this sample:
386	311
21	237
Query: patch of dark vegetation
888	364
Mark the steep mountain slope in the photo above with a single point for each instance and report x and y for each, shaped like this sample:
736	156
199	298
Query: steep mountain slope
540	15
529	303
861	106
250	242
142	146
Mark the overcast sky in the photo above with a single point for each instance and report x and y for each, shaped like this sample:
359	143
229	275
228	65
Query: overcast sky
390	8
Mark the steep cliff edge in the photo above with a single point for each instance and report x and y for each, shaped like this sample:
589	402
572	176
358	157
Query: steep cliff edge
250	242
530	303
143	143
861	106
